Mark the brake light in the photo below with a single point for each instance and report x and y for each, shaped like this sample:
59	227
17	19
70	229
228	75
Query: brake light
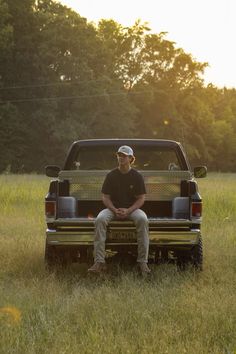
50	209
197	209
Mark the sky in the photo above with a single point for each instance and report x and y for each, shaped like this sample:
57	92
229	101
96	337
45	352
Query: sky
204	28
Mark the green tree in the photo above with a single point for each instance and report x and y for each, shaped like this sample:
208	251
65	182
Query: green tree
63	78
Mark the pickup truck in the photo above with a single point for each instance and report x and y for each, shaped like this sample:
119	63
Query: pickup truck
173	203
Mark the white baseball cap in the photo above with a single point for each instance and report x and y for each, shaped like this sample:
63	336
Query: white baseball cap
125	149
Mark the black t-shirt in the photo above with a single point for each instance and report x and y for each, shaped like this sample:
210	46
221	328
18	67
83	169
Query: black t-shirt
123	187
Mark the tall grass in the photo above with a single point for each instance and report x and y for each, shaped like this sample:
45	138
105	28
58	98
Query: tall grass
68	312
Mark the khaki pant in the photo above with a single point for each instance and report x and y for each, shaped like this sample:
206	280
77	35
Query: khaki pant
139	218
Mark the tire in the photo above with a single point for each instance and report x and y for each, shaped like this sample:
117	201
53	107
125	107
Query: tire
193	258
48	256
54	258
197	255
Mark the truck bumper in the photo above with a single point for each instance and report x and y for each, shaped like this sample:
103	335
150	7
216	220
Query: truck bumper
162	233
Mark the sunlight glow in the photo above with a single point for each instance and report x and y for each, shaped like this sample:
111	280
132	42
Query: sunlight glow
204	28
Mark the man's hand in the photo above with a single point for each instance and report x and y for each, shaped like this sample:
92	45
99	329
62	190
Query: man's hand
122	213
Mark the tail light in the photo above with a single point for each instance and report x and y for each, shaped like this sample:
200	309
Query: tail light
50	209
197	209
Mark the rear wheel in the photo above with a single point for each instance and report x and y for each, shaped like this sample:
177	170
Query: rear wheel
49	256
193	257
197	255
54	258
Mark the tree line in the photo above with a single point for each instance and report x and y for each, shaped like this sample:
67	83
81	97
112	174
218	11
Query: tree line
63	78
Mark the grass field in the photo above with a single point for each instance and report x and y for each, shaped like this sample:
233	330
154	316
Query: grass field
68	312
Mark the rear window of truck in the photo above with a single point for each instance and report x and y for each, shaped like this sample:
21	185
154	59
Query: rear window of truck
146	158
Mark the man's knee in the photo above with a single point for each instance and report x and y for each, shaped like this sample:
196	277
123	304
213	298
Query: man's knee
102	219
141	218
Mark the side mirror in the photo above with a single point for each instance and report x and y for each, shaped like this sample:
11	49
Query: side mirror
52	170
200	171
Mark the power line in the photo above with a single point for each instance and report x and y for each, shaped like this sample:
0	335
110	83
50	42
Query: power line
75	97
52	84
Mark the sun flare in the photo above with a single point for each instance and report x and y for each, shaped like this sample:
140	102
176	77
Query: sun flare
11	314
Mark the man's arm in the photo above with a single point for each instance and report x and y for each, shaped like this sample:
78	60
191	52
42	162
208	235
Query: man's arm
108	203
137	204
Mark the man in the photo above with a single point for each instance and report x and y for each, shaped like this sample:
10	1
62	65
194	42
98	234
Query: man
123	193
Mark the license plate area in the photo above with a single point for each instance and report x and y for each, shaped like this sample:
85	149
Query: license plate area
122	235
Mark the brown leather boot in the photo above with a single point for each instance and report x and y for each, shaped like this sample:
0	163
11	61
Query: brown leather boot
98	267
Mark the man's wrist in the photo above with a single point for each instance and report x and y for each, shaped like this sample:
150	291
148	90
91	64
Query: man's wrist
113	209
129	211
